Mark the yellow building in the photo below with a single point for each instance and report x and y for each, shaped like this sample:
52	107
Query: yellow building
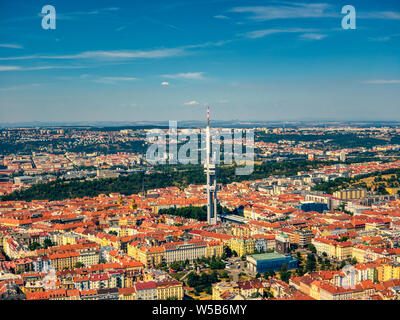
387	271
68	239
220	288
242	246
359	254
242	231
89	256
169	289
334	249
127	293
61	261
214	249
350	194
149	256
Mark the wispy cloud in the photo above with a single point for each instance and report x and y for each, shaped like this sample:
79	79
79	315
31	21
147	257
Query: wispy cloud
9	68
11	46
102	55
114	80
187	75
384	38
386	15
191	103
36	68
221	16
382	81
165	84
76	14
297	10
121	28
313	36
23	86
287	11
266	32
123	54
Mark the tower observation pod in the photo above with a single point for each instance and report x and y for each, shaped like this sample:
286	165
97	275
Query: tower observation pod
210	169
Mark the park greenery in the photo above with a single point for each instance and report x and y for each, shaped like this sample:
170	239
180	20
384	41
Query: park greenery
198	213
202	282
46	244
179	176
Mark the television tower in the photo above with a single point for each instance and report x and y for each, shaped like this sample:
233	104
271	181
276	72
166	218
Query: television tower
210	169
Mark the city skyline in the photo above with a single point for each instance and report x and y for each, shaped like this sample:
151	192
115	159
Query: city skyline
156	61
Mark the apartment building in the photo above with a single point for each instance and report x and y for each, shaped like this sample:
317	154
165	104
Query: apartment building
333	249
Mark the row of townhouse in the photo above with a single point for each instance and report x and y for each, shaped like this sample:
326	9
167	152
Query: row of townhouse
364	253
346	250
323	290
151	290
74	294
15	250
106	280
246	289
366	290
161	290
174	251
333	249
68	256
242	246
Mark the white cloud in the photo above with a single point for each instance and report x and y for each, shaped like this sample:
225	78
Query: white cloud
18	68
287	11
384	38
191	103
165	83
9	68
110	55
24	86
221	16
266	32
11	46
313	36
119	78
187	75
74	15
382	81
386	15
112	80
294	10
121	28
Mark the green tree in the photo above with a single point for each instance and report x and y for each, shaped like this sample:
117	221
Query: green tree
228	252
34	246
48	243
312	248
284	274
311	264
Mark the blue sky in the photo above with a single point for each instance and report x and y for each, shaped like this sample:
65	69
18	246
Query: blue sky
166	60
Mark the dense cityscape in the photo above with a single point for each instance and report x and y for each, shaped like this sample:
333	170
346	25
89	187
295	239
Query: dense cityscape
322	222
199	158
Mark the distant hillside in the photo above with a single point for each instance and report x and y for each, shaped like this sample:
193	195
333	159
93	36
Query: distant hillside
377	181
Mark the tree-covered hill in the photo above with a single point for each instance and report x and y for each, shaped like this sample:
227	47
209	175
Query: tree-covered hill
180	176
